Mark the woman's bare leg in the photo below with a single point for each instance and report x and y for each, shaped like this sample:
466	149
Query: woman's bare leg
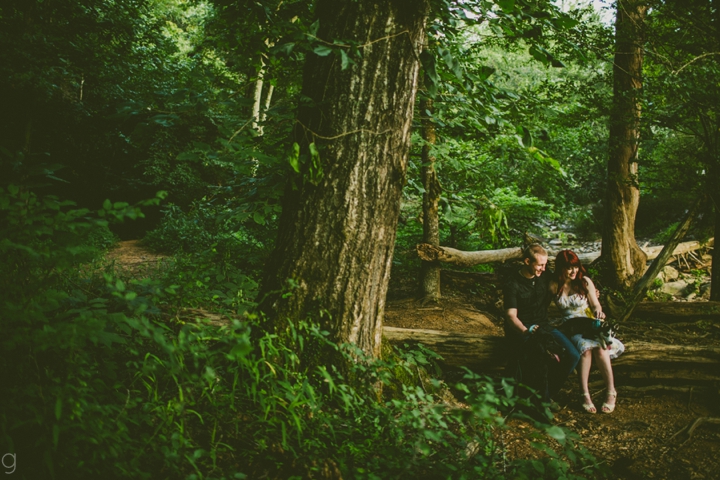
602	360
584	374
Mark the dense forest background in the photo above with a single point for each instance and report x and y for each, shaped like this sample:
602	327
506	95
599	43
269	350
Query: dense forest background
176	122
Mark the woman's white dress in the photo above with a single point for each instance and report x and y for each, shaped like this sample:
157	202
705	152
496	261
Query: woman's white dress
576	305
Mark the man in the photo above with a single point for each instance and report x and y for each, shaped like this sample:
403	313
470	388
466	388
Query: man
526	298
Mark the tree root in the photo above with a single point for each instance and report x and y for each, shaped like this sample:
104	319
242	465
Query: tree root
690	427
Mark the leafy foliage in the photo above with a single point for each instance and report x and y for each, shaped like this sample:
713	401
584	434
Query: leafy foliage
97	382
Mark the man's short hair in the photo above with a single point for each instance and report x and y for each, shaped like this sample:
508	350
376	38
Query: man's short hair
533	251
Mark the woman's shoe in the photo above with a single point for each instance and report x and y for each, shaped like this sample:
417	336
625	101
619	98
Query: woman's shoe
588	404
606	407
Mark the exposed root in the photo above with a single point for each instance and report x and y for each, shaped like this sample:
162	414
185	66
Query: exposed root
690	427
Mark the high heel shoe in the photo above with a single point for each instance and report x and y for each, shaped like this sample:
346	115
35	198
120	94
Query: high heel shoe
589	407
606	407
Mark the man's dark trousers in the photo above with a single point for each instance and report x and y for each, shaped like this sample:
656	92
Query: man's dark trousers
557	373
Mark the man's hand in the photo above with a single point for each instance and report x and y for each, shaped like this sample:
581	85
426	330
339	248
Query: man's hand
531	329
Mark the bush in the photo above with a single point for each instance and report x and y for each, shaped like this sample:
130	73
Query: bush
523	212
97	382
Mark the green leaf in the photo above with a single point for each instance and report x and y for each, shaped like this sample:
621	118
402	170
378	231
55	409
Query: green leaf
56	435
107	205
294	157
485	73
525	137
287	48
322	51
259	218
120	286
344	60
566	22
314	28
315	171
191	156
507	6
557	433
538	55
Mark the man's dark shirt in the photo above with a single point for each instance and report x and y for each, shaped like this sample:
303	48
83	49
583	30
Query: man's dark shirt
530	296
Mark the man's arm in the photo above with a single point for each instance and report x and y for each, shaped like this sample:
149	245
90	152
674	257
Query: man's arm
514	322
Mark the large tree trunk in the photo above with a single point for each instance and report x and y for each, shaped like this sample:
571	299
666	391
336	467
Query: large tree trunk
430	272
623	256
339	218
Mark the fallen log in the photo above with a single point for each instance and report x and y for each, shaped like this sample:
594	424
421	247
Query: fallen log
654	251
432	253
677	311
489	353
668	312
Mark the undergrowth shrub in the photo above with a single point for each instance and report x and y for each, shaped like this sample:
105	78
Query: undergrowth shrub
523	211
225	227
97	382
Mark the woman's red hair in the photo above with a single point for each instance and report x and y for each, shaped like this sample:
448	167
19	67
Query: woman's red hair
564	260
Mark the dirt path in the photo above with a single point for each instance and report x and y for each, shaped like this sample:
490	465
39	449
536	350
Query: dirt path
133	259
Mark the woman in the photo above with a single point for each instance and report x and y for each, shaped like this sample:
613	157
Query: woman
575	296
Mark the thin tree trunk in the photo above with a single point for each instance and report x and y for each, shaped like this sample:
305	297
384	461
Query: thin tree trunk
257	98
430	271
339	218
715	272
624	257
266	106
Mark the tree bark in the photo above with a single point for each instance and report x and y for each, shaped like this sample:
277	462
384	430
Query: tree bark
623	256
337	228
257	98
430	271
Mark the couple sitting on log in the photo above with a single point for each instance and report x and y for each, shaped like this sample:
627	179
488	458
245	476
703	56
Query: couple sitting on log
545	353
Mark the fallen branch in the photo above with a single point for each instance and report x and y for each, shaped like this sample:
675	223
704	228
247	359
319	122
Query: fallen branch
432	253
690	427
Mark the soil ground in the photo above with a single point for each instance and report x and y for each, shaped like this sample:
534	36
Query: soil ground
132	258
635	442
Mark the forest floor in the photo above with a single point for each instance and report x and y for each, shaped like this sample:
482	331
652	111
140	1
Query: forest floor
132	258
635	441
